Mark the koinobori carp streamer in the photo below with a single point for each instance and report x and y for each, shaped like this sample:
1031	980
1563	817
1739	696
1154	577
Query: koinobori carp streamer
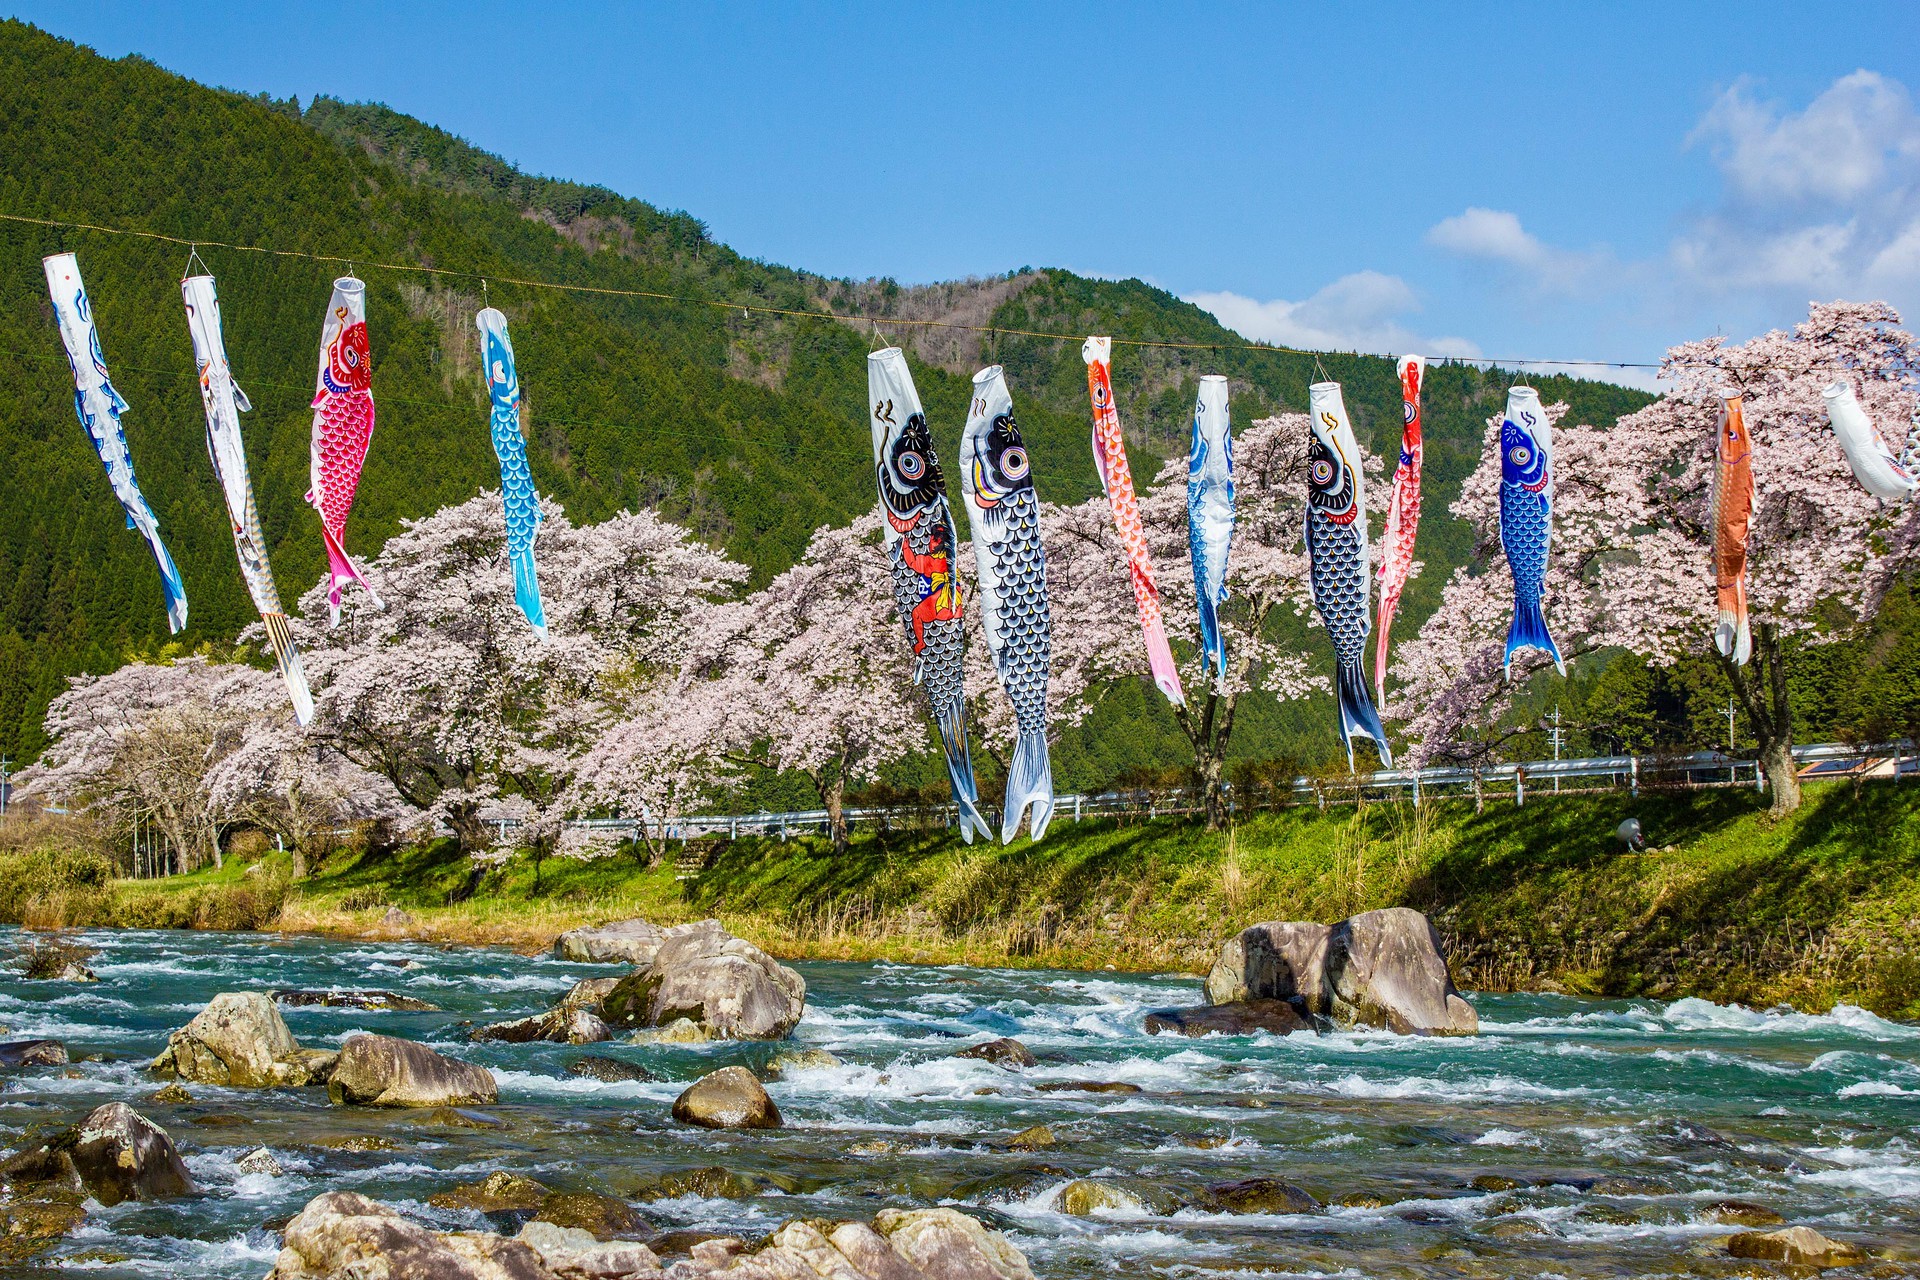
1730	506
517	494
1874	464
1337	560
1403	514
921	545
1526	520
1116	477
342	429
1210	517
224	402
997	481
100	409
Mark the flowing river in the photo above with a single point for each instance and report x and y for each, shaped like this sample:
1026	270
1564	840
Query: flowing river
1601	1133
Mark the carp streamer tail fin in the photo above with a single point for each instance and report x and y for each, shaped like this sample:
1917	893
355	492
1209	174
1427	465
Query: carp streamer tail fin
1213	645
1731	636
526	591
280	639
172	588
1358	715
342	570
1029	781
966	792
1529	631
1160	662
1380	657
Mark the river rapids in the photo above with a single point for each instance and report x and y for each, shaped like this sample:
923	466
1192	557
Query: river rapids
1572	1138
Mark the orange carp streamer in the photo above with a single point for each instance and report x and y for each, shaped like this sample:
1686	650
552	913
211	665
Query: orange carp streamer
1731	508
1110	456
1403	516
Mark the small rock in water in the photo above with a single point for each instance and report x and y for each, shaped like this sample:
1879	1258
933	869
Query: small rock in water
356	1142
33	1053
382	1071
1362	1200
799	1060
560	1026
1032	1139
711	1183
259	1160
1743	1213
1085	1197
609	1070
1239	1018
603	1217
1262	1195
367	1000
171	1095
946	1242
1493	1182
1004	1052
708	1248
1801	1245
114	1154
30	1227
729	1098
1086	1086
496	1193
458	1118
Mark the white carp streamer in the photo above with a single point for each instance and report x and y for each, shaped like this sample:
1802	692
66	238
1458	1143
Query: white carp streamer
224	402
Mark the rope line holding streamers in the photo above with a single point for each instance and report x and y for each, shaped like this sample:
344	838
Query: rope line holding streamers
746	310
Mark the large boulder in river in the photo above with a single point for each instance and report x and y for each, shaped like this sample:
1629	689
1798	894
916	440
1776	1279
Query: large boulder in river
725	985
1386	969
1379	968
341	1235
33	1053
624	941
240	1039
384	1071
730	1098
560	1026
114	1154
1279	960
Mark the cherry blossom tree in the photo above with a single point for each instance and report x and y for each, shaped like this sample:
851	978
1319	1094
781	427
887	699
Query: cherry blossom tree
471	716
1632	551
809	674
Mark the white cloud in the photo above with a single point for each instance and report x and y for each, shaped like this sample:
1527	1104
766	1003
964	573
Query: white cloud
1495	235
1847	143
1357	312
1822	202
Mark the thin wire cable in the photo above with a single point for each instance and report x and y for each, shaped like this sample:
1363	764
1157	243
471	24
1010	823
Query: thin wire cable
747	309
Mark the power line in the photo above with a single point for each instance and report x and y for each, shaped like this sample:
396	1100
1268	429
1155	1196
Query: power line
748	308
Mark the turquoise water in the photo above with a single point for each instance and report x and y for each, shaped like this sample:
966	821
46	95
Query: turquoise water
1623	1119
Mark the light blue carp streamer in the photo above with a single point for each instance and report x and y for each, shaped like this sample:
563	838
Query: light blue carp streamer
516	479
1210	517
99	407
1526	520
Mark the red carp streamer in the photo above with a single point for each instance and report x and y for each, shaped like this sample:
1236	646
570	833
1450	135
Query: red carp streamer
1110	455
1403	516
342	429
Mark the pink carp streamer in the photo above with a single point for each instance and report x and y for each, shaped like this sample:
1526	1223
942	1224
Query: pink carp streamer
342	429
1403	515
1110	456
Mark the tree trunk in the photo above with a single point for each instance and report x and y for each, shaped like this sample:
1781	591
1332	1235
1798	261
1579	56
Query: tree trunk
1208	735
1761	687
836	813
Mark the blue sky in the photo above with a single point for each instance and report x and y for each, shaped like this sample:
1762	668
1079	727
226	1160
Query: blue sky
1516	180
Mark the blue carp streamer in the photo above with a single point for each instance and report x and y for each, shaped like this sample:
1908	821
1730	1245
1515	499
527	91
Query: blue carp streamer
516	479
1210	517
1526	519
100	409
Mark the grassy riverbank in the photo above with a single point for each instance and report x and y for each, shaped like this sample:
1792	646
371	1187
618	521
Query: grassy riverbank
1728	904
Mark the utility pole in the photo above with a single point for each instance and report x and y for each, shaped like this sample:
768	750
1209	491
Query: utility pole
1555	736
1730	765
6	789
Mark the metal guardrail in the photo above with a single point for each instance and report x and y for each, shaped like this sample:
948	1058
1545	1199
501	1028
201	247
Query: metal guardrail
1496	781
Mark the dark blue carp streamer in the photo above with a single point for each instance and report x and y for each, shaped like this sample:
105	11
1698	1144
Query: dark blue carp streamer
516	478
1210	517
921	546
100	409
1526	519
1337	557
997	479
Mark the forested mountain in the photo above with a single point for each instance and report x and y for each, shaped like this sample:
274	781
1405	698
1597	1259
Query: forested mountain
749	427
